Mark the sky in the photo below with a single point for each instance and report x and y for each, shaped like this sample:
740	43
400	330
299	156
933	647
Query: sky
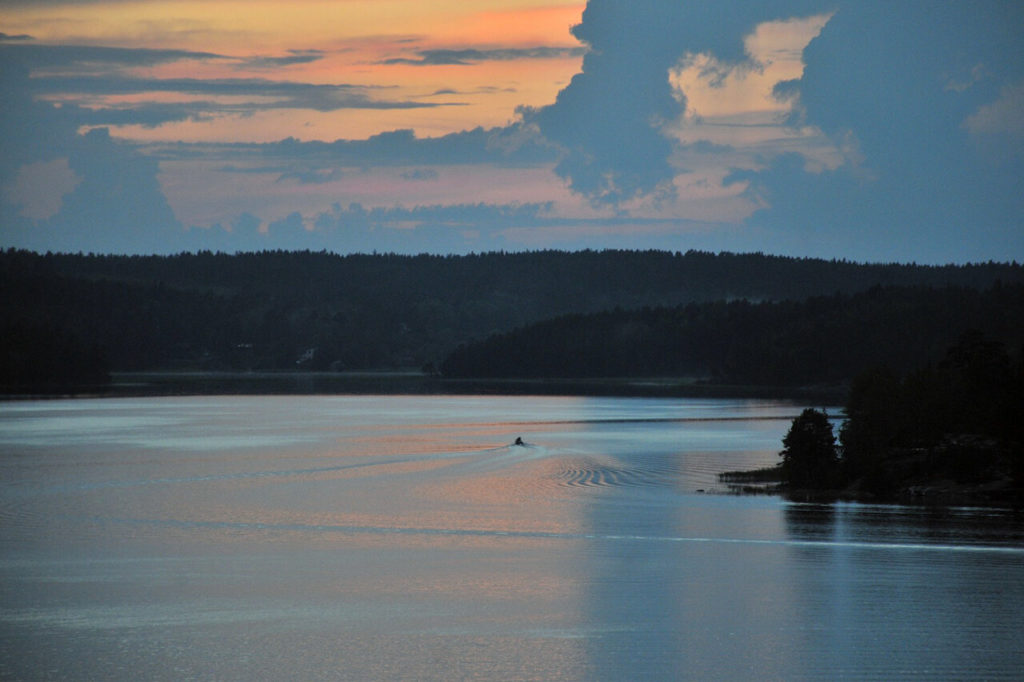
867	130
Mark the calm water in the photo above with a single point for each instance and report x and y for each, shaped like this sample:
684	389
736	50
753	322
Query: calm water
368	538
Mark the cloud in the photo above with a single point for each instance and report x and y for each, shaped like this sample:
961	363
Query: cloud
289	94
32	131
879	82
145	114
248	170
291	226
462	228
320	176
115	205
706	147
909	96
93	82
293	57
452	228
609	118
448	57
420	174
119	205
246	223
463	215
92	57
998	127
903	139
114	202
514	145
39	188
904	54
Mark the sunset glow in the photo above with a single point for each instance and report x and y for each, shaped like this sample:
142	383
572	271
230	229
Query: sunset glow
267	111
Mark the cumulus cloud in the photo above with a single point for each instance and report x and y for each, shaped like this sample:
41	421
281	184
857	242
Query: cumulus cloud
118	206
610	118
906	94
878	82
39	188
113	203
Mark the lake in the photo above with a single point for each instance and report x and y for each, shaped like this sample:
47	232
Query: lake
406	537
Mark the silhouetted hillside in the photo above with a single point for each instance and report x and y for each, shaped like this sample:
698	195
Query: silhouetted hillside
40	359
821	340
302	310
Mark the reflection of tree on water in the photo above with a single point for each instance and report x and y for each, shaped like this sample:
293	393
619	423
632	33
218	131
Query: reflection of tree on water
890	590
816	522
878	524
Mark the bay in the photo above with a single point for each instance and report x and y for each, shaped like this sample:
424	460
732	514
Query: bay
406	537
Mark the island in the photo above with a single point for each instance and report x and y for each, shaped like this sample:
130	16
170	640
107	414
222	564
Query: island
951	433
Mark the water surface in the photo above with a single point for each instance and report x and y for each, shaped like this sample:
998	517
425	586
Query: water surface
403	537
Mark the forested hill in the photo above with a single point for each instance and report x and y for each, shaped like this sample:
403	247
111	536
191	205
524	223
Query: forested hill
826	340
289	310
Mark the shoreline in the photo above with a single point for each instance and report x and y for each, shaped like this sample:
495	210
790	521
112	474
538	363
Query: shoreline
165	383
998	492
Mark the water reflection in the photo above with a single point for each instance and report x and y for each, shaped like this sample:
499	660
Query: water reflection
359	537
866	524
671	574
903	592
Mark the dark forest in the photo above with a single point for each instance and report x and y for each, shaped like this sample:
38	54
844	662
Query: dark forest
725	317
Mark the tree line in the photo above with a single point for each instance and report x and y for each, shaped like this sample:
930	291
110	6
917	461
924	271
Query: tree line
819	340
280	310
